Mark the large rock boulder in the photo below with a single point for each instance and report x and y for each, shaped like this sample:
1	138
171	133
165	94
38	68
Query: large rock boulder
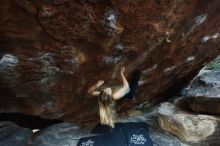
203	92
13	135
207	105
206	84
60	135
51	52
195	129
199	104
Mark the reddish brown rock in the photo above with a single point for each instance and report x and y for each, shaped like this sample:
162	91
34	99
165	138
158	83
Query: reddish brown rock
207	105
52	51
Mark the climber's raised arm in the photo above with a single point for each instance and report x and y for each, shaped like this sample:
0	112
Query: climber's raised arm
124	89
92	90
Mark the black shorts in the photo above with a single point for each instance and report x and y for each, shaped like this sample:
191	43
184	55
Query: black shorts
133	84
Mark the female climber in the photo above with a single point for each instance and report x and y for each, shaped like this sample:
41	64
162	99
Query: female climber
107	97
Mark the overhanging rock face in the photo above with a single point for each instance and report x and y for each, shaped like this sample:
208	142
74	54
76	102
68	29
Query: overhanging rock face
52	51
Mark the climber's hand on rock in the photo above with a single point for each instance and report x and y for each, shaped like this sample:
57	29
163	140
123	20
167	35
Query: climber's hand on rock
122	70
100	83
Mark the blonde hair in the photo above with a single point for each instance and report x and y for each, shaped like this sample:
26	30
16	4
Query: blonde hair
107	111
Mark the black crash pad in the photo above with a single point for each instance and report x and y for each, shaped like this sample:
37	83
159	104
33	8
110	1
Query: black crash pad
110	139
124	134
102	129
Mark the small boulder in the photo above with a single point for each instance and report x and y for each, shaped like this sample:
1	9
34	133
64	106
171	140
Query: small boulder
192	128
62	134
13	135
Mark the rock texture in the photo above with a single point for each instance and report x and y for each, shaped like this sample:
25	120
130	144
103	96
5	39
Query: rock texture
195	129
206	84
206	105
162	138
13	135
60	135
203	93
51	52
